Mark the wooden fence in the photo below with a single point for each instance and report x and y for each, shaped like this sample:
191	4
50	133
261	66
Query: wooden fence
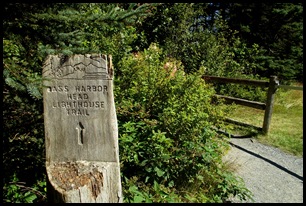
267	106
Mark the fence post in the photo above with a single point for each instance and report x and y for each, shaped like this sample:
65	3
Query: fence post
273	83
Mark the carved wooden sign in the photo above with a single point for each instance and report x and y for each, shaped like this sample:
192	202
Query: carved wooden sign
81	128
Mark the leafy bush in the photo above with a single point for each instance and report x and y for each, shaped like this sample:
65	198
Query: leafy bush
31	32
23	148
214	49
165	127
231	58
18	192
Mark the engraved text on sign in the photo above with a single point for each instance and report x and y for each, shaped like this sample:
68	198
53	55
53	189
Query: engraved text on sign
78	100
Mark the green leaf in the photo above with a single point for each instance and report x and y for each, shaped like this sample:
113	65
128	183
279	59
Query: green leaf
30	197
13	187
138	199
156	186
200	177
133	189
159	172
34	91
147	178
143	163
171	184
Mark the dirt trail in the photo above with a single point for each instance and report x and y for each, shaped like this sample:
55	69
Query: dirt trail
270	174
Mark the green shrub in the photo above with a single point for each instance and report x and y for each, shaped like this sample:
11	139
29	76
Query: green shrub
165	127
233	59
23	149
18	192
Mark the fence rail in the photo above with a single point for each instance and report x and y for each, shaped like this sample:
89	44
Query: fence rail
259	83
272	85
290	87
256	105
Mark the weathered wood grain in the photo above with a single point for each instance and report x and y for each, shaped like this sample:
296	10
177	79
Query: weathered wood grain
273	84
81	132
258	83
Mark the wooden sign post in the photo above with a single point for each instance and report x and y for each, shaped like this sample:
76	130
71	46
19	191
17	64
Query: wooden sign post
81	132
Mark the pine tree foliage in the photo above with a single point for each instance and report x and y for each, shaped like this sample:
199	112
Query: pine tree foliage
30	33
42	29
274	31
224	39
278	30
79	29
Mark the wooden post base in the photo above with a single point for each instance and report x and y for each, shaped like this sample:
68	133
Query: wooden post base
84	182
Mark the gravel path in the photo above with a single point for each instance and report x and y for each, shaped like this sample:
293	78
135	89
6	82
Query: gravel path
270	174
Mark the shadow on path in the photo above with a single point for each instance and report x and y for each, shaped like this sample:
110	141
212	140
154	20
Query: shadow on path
269	161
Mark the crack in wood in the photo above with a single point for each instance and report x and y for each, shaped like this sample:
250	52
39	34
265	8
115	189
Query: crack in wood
96	183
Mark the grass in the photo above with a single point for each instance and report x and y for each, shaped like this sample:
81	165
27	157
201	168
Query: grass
286	128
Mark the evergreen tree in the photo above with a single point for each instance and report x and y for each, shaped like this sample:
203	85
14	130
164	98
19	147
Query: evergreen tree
277	28
197	37
34	30
30	32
